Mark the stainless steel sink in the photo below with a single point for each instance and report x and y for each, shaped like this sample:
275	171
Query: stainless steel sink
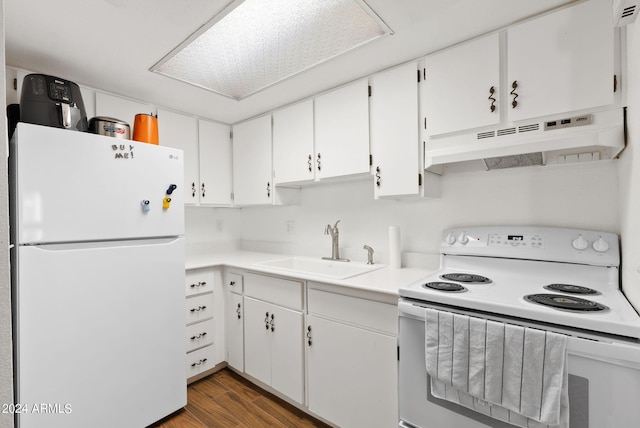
319	267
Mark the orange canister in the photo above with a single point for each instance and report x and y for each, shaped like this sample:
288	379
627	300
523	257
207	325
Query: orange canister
145	128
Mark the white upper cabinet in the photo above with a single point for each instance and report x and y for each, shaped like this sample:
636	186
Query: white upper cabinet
214	141
181	132
562	62
293	150
342	131
460	88
394	134
252	166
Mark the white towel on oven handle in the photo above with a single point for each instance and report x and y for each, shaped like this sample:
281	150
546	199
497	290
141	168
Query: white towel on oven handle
498	369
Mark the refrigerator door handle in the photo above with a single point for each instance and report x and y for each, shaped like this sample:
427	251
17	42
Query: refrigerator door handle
103	244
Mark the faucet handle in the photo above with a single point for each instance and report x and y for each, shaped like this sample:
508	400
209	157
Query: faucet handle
369	254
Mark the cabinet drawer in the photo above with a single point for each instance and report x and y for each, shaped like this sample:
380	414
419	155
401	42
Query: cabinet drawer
201	360
198	281
280	291
234	282
361	312
199	308
200	334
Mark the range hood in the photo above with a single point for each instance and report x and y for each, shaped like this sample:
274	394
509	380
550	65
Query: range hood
625	12
562	139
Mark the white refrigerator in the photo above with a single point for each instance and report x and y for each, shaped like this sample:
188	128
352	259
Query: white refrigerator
97	280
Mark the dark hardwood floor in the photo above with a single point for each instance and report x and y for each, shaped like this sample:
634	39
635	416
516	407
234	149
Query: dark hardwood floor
225	399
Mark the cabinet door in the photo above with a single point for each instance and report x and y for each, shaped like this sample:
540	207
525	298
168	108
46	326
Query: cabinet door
293	152
235	331
287	372
342	131
394	134
252	182
352	375
180	131
562	62
456	91
257	339
214	140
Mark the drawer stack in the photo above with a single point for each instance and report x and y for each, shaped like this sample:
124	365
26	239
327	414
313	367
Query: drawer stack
200	321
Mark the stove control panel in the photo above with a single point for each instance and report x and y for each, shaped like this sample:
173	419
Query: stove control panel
475	240
526	241
534	243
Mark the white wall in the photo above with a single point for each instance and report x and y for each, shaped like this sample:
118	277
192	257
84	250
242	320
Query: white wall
630	176
6	372
210	230
580	195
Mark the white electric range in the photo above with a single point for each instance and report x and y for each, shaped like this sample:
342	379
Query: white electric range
552	279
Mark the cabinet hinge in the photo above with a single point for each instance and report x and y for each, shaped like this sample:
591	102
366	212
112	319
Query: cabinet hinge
15	84
425	122
419	179
615	83
370	90
424	73
370	160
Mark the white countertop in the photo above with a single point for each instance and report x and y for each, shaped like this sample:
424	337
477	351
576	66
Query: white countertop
385	280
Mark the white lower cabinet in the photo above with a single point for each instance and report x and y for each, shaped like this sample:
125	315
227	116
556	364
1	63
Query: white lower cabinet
273	347
273	334
200	334
336	356
234	321
352	378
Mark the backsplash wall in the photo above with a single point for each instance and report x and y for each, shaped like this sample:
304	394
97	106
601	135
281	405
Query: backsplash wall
579	195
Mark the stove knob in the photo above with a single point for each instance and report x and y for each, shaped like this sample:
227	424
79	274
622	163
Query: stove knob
600	245
450	239
463	238
580	243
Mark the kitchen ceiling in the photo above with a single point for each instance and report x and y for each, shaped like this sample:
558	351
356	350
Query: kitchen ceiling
110	45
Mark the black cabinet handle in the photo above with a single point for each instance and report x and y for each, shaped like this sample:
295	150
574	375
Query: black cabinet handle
492	90
513	92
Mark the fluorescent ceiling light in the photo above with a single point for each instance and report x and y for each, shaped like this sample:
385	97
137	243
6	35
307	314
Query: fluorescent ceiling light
253	44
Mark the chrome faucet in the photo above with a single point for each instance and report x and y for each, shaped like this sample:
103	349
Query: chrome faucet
369	254
335	236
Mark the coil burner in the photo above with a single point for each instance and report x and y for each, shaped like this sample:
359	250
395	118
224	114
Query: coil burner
560	301
450	287
570	288
468	278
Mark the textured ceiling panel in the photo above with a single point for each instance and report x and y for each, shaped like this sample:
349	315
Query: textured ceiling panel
262	42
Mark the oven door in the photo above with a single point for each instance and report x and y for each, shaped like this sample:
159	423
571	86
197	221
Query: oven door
604	382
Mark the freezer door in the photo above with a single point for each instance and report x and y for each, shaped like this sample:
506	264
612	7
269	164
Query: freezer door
74	186
100	333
